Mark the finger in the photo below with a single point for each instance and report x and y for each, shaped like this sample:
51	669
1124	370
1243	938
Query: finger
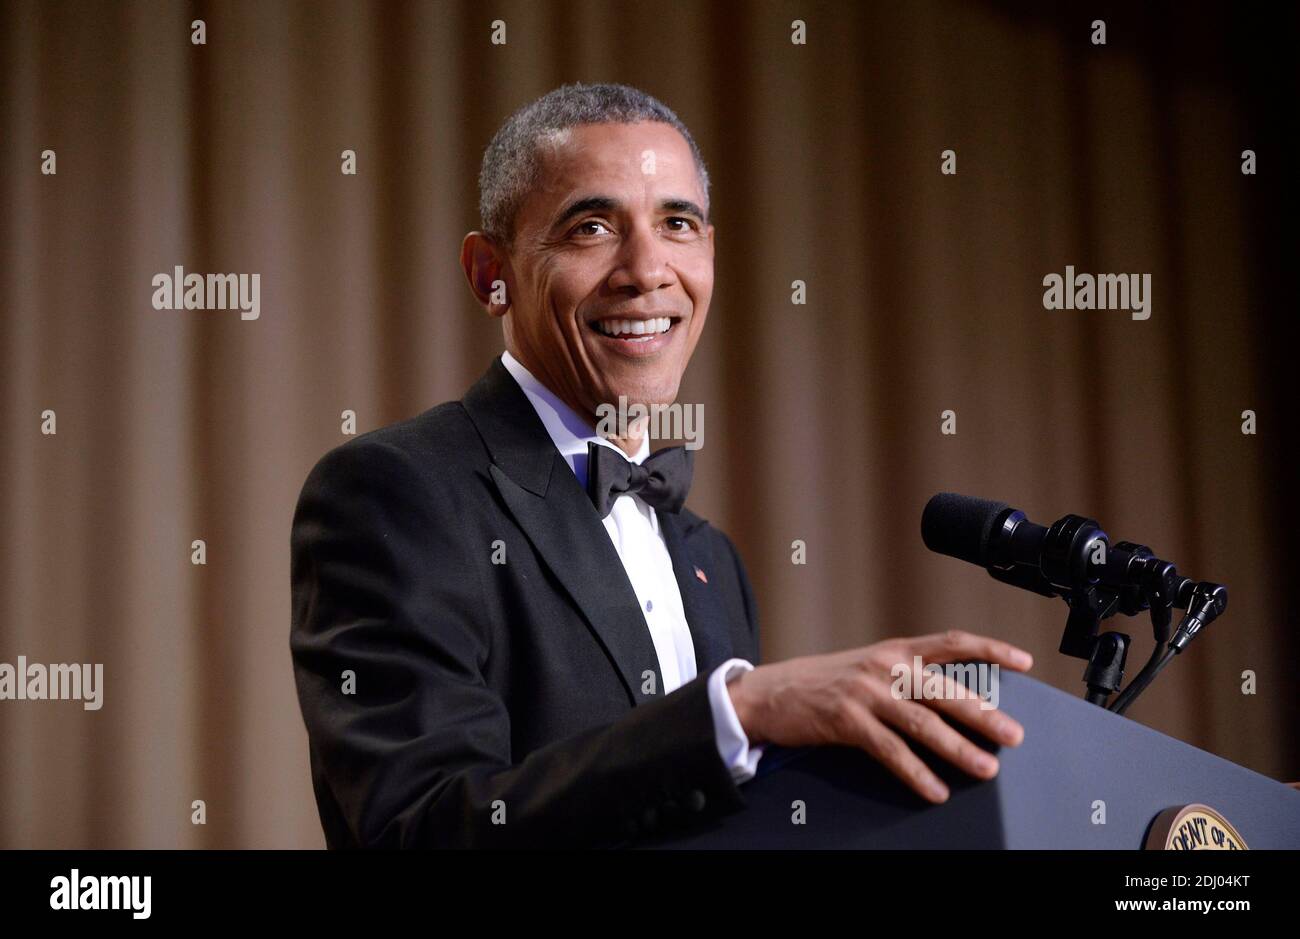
957	644
965	705
926	726
974	712
893	753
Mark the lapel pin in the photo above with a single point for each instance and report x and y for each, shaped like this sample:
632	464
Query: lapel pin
700	574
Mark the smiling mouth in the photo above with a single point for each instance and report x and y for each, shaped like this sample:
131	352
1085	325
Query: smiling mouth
635	330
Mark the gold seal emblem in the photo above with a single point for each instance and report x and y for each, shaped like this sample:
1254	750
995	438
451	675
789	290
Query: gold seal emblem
1193	827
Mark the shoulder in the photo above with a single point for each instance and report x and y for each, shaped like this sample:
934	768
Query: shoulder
440	433
433	449
439	438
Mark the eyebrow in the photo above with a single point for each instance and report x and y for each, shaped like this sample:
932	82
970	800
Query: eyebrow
676	206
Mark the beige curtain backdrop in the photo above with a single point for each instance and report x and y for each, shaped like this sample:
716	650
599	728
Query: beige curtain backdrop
924	293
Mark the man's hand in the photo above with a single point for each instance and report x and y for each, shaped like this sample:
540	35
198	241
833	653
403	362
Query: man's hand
844	698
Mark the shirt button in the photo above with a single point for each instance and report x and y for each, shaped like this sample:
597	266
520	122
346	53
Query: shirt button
649	606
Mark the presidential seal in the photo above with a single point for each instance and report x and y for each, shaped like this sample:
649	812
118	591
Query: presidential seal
1193	827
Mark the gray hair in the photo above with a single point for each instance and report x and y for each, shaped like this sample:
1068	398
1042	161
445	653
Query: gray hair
511	161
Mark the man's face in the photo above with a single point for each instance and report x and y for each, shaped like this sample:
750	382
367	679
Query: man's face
611	271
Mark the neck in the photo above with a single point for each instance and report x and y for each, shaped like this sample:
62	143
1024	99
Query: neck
630	444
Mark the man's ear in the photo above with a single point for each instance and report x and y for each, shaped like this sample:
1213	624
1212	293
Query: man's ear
483	261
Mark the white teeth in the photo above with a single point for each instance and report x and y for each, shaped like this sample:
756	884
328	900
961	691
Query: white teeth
647	328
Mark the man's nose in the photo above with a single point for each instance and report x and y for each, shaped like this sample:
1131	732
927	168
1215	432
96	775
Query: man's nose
642	263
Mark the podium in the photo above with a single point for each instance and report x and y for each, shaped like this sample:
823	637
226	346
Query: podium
1074	755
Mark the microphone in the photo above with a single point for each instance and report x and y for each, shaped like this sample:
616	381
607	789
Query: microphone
1073	558
1071	555
961	526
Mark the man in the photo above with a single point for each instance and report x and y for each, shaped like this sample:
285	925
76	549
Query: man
506	629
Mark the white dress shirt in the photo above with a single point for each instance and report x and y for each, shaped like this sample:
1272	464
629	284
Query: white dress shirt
633	527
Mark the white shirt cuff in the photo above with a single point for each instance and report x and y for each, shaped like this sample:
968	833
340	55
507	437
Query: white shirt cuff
733	745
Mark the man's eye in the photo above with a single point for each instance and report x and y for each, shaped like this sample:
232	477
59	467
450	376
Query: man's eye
586	228
686	223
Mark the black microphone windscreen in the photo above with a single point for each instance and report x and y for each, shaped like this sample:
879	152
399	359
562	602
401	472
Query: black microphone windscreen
960	526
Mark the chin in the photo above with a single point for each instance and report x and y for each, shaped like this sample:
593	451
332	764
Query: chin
646	394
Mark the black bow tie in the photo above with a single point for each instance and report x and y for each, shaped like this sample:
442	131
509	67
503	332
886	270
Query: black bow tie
661	481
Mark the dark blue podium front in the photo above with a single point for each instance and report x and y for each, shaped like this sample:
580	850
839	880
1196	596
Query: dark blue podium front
1077	760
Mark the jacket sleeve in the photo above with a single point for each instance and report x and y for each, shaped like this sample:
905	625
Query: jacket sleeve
389	648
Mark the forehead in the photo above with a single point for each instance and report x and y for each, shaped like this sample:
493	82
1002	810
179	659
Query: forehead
615	158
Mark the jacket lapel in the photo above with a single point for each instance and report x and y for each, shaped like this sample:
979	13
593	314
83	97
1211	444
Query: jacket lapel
546	501
704	612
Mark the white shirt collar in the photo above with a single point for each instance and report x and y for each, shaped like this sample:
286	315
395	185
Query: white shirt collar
569	431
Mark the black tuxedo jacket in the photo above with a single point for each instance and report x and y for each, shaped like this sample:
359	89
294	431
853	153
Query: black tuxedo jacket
451	700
